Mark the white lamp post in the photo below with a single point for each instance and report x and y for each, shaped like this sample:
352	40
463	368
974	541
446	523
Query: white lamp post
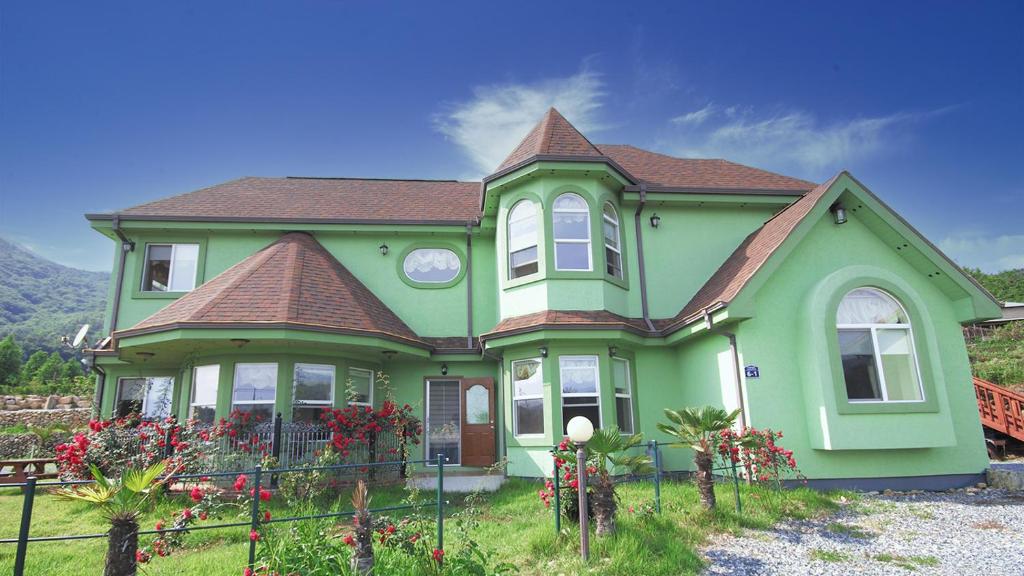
580	431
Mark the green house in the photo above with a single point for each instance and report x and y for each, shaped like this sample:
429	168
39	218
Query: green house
577	279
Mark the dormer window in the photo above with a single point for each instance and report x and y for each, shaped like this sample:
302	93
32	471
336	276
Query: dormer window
612	245
170	267
570	221
522	240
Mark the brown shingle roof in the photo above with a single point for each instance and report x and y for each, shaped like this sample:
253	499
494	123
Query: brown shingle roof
552	136
293	282
332	199
669	171
748	258
565	319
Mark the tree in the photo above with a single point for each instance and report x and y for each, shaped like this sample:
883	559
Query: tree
51	370
34	363
71	369
696	428
1006	286
122	501
10	360
606	454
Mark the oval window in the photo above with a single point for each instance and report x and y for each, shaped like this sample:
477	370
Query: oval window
432	265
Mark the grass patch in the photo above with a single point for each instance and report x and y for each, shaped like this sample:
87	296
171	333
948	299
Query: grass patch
848	530
907	562
829	555
514	526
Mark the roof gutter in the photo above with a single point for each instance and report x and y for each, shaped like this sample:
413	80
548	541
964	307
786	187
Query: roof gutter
640	257
710	324
127	246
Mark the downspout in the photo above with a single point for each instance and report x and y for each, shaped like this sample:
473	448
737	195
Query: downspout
640	257
126	247
101	381
733	349
469	284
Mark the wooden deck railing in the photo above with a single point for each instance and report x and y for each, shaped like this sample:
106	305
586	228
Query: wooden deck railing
1001	409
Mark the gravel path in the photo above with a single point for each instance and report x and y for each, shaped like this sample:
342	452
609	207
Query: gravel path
947	533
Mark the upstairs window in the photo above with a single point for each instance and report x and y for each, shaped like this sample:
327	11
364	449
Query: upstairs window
570	223
522	240
612	245
876	346
312	391
170	267
432	265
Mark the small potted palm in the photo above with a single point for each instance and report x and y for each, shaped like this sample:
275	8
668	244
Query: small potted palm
122	501
697	428
362	555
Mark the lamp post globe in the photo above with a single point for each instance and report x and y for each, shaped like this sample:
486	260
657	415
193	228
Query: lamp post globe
580	430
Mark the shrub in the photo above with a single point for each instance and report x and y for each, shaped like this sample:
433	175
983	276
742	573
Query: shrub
758	454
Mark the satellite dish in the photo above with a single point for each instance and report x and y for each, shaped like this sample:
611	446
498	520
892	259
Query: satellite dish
80	336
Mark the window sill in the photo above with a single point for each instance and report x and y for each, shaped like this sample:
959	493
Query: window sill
158	295
886	407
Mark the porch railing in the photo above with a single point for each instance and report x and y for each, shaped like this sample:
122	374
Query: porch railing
1000	409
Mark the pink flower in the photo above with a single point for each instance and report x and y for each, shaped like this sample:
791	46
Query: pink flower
438	555
186	513
247	572
264	495
254	535
196	494
240	482
266	515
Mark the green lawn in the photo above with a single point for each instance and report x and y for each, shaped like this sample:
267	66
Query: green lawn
513	524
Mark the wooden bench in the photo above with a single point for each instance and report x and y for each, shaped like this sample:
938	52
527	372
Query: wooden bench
18	471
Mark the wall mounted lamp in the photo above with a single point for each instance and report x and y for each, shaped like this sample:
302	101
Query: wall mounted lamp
612	350
655	220
444	369
839	213
543	351
239	341
384	249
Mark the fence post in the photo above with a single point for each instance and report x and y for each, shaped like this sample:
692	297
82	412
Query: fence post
275	448
558	503
26	523
657	476
440	502
255	520
736	486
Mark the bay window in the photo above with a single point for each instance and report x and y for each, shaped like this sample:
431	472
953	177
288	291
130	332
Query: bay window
612	244
255	389
148	397
203	402
522	240
570	224
360	389
312	391
876	347
580	389
527	397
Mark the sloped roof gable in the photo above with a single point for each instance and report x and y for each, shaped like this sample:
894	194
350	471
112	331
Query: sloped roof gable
552	136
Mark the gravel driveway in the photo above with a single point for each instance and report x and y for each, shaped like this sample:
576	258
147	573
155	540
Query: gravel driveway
949	533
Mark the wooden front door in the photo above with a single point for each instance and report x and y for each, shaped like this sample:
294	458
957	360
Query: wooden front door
478	447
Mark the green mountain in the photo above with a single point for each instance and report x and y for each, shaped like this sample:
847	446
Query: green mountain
40	300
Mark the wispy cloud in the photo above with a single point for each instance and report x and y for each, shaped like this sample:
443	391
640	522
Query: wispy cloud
991	253
794	139
488	126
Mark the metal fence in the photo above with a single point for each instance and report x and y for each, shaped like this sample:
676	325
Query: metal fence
653	449
259	475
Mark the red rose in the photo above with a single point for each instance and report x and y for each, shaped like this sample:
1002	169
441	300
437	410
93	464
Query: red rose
438	555
254	535
196	494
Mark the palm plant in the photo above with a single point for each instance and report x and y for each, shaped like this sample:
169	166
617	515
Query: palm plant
362	557
606	456
696	428
122	501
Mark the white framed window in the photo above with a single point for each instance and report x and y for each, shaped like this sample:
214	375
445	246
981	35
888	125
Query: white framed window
432	265
581	389
623	382
255	389
149	397
312	391
876	347
612	241
443	427
522	240
203	402
170	267
570	226
527	397
360	386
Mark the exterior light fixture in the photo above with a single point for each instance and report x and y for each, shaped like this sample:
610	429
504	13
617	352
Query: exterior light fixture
239	341
839	213
543	351
612	350
655	220
580	431
389	354
444	369
384	249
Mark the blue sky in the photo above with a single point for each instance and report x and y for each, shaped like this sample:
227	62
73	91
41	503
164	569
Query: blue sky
106	105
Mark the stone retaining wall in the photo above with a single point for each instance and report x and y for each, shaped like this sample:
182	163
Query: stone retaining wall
30	445
52	402
74	418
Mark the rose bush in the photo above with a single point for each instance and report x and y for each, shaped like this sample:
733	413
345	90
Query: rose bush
758	455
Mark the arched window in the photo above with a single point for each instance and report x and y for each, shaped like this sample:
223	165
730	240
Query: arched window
570	222
522	240
612	246
877	348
